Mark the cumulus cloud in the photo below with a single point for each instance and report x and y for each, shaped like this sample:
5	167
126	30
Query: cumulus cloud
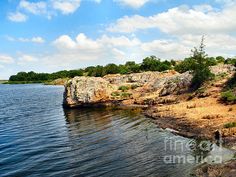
37	40
17	17
132	3
181	20
83	51
48	8
118	48
66	6
34	7
84	48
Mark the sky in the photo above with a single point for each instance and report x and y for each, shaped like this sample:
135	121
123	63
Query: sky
53	35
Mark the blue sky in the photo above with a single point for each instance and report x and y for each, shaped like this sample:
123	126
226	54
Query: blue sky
52	35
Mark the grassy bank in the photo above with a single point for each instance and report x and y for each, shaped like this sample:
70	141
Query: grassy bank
22	82
50	82
3	81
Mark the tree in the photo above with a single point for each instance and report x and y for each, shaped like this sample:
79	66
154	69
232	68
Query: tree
186	65
153	63
220	59
201	71
112	69
132	67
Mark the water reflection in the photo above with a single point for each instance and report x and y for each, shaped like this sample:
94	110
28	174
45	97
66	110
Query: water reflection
123	142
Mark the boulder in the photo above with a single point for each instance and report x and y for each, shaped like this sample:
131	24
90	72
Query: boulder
222	69
81	91
174	84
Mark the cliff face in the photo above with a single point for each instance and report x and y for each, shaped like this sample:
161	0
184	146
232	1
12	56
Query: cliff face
81	91
137	88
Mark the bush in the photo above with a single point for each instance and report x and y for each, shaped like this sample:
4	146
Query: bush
186	65
230	125
220	59
125	95
153	63
123	88
231	61
228	96
231	83
115	94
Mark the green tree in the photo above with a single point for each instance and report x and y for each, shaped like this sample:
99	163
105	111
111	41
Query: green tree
220	59
132	67
201	71
112	68
186	65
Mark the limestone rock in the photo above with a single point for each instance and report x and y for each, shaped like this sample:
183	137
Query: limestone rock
173	84
87	90
222	68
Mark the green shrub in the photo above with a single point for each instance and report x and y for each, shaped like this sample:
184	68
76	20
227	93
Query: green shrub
123	88
115	94
231	83
230	125
228	96
125	95
185	65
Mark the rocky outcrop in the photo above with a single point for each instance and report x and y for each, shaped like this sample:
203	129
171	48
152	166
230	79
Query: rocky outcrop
222	69
81	91
139	88
174	84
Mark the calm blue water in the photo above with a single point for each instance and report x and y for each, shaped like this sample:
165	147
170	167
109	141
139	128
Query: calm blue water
39	138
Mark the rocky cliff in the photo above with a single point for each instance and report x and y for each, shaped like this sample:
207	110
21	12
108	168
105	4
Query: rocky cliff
137	88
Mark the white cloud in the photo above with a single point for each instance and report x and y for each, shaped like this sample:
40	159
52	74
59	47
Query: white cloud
37	40
17	17
64	41
132	3
47	8
33	7
226	2
166	48
181	20
83	42
66	6
21	39
25	59
81	49
120	41
6	59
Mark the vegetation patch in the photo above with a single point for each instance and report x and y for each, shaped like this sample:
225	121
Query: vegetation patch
228	96
123	88
230	125
125	95
229	92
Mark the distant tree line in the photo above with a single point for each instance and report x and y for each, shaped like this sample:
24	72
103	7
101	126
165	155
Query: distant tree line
151	63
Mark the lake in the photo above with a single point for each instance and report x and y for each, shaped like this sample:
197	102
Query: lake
39	138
